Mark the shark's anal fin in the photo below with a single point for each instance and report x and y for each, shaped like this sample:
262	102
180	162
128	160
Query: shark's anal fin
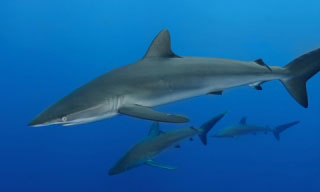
262	63
215	93
257	85
150	114
158	165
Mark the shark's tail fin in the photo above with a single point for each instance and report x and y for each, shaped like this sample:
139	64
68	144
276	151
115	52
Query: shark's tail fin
301	70
206	127
279	129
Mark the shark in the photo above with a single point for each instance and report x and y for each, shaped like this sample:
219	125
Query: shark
162	77
242	128
157	141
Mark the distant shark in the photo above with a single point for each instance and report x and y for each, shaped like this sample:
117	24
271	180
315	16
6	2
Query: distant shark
162	77
158	141
243	129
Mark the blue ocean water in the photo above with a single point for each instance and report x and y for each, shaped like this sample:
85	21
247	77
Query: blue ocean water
49	48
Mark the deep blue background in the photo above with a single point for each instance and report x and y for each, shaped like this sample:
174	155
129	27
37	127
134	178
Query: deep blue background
49	48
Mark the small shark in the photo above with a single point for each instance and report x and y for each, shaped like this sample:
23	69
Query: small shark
158	141
163	77
243	129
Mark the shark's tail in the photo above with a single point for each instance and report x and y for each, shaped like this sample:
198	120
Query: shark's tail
301	70
207	126
279	129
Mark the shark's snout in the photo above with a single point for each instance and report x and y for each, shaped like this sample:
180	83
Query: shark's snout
50	116
42	120
35	123
113	171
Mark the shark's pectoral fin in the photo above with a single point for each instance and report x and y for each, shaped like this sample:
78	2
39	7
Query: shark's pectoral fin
155	164
150	114
177	146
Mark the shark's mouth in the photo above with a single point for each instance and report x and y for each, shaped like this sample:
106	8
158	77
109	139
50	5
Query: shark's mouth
47	124
88	119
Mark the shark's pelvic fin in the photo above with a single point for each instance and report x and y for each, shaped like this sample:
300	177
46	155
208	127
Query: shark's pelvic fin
155	164
161	46
262	63
150	114
243	121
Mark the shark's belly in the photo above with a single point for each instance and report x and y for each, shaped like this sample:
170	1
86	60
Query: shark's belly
176	90
174	81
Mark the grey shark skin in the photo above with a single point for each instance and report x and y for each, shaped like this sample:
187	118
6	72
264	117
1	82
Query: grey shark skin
244	129
156	142
162	77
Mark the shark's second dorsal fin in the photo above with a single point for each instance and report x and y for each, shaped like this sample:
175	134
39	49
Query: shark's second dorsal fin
243	121
160	46
154	130
262	63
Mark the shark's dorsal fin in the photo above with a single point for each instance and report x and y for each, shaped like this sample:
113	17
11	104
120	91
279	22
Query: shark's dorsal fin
243	121
160	46
154	130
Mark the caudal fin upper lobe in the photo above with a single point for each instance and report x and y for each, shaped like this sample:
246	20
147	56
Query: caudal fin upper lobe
207	126
279	129
301	70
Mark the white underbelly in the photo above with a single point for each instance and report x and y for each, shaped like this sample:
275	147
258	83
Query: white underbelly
165	96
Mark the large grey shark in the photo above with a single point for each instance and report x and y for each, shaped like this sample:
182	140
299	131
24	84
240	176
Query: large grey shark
162	77
158	141
242	128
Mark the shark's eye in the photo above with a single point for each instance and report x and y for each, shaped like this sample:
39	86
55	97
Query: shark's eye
64	119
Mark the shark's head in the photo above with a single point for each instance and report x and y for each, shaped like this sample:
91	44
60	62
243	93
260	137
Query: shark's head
116	170
73	110
122	166
129	161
